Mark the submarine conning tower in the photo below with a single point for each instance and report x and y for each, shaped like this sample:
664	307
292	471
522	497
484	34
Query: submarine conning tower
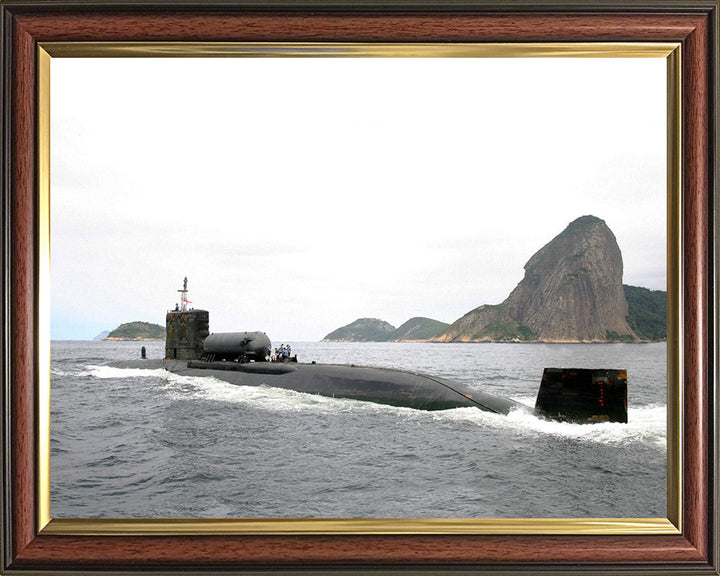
185	330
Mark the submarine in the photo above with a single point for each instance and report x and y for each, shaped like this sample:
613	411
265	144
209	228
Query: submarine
578	395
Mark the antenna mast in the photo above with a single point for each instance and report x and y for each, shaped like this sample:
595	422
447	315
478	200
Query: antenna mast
183	297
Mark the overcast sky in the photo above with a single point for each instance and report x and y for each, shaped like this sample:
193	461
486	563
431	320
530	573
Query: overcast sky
299	194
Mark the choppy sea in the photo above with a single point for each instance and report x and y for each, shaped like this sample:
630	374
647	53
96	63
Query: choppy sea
128	443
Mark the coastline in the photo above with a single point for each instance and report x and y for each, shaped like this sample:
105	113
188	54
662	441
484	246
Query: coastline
137	339
496	341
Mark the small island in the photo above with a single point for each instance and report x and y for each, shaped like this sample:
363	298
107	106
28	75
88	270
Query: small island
137	331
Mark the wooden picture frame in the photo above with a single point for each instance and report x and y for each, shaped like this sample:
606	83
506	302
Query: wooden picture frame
28	547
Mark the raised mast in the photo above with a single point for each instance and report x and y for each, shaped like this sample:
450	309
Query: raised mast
183	296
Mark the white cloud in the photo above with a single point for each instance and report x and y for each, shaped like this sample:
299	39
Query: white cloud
299	194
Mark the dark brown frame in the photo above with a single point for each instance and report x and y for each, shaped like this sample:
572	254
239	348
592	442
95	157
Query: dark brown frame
692	23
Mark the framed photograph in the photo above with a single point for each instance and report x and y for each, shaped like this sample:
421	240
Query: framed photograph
338	145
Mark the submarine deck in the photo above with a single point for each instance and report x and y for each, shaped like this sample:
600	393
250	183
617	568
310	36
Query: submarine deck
372	384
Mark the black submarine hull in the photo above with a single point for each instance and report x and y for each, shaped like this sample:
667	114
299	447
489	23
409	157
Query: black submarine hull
370	384
567	395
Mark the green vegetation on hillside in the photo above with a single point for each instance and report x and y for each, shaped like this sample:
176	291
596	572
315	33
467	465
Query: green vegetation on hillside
612	336
418	329
362	330
137	331
502	328
648	312
374	330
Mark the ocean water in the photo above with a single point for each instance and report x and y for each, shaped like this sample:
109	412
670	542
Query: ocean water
128	443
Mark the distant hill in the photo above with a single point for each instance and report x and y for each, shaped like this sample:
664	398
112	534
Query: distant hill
648	312
102	335
418	329
137	331
374	330
362	330
572	292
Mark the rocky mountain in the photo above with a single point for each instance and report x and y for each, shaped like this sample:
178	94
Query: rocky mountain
362	330
572	292
418	329
137	331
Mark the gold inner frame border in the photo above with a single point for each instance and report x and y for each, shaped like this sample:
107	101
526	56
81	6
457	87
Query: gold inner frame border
381	526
